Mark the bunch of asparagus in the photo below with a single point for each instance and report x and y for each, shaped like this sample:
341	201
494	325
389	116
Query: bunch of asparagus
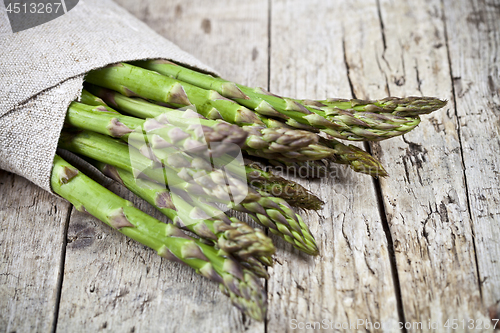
175	137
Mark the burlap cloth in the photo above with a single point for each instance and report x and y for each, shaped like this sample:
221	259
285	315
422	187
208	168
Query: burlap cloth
42	70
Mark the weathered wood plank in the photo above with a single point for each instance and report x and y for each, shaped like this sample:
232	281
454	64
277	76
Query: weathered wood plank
230	36
351	279
399	48
118	285
114	283
473	40
32	226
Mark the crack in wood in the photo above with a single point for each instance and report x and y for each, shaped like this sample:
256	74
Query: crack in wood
454	93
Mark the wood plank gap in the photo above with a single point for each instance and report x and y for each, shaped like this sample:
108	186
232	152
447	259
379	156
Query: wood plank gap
461	152
380	199
60	277
378	191
347	68
382	29
382	33
390	243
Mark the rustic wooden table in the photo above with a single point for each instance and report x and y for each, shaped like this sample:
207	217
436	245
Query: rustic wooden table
421	246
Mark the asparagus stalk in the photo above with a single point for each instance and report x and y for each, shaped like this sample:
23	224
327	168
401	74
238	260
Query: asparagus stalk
228	233
134	81
272	143
277	215
349	125
405	107
357	159
90	99
294	194
117	153
306	169
84	117
192	137
270	212
242	286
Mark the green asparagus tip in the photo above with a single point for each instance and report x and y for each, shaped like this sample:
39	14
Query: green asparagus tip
412	106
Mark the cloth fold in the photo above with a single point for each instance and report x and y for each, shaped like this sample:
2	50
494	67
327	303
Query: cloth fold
42	70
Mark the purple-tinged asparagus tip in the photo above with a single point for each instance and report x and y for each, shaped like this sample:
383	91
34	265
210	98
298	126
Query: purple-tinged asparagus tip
247	116
152	124
202	230
214	114
317	120
173	231
176	134
233	268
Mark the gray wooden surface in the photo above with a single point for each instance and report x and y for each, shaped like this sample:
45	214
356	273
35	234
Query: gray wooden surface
421	246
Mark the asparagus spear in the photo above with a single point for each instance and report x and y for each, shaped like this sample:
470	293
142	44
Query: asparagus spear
134	81
407	106
84	117
277	215
242	286
357	159
306	169
90	99
270	212
266	139
195	170
228	233
191	137
119	154
349	125
294	194
272	143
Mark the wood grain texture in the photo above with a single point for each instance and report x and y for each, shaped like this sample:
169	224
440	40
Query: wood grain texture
473	40
231	36
399	48
115	284
425	250
351	279
32	226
